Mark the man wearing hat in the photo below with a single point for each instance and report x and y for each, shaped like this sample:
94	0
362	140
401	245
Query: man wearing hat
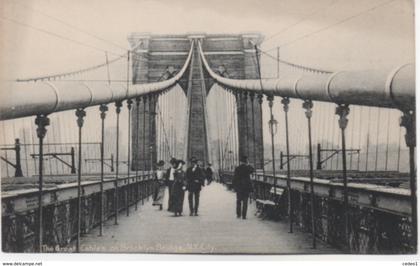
195	180
242	184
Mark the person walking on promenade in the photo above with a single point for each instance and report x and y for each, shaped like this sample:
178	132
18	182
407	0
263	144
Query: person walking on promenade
170	177
195	180
178	189
209	174
159	185
242	184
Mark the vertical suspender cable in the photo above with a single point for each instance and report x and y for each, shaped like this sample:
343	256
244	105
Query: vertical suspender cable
254	151
144	146
26	142
246	123
232	138
387	139
278	62
137	149
150	139
260	98
359	146
107	66
351	143
368	139
329	137
144	135
399	150
129	104
127	191
235	130
337	158
32	144
161	145
218	134
273	124
377	138
176	126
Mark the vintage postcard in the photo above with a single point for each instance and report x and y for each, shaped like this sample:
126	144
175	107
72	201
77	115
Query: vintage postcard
208	127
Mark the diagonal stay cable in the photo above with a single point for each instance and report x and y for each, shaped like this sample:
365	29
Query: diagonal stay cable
302	67
64	74
164	130
227	136
55	34
299	21
333	24
72	26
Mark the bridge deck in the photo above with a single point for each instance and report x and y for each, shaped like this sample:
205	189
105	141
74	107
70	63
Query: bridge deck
215	230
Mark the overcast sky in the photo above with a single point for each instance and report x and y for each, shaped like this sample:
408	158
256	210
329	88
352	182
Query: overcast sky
381	37
327	34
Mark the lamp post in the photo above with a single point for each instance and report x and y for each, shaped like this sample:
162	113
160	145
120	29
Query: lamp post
272	123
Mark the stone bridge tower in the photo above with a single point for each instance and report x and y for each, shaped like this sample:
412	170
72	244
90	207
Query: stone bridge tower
156	56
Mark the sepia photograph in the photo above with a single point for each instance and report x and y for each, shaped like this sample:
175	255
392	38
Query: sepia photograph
208	128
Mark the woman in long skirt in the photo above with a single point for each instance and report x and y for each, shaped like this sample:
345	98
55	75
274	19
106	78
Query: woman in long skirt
178	189
159	185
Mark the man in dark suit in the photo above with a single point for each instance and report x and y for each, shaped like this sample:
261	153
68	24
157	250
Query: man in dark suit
242	184
195	180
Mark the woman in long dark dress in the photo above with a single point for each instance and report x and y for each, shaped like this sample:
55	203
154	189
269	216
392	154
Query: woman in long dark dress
178	189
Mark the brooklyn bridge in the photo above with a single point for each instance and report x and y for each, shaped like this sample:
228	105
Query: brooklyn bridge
333	152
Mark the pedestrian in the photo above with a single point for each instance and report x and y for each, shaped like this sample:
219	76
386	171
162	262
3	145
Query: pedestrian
159	185
195	180
178	189
242	184
209	174
170	179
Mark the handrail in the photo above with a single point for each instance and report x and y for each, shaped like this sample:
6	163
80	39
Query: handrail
23	194
21	99
395	89
390	199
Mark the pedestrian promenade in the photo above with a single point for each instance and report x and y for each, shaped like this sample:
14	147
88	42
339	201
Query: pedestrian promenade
215	230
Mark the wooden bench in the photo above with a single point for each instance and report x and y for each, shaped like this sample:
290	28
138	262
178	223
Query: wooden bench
229	185
227	181
269	208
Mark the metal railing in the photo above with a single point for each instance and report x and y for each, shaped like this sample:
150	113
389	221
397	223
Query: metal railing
60	208
379	220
